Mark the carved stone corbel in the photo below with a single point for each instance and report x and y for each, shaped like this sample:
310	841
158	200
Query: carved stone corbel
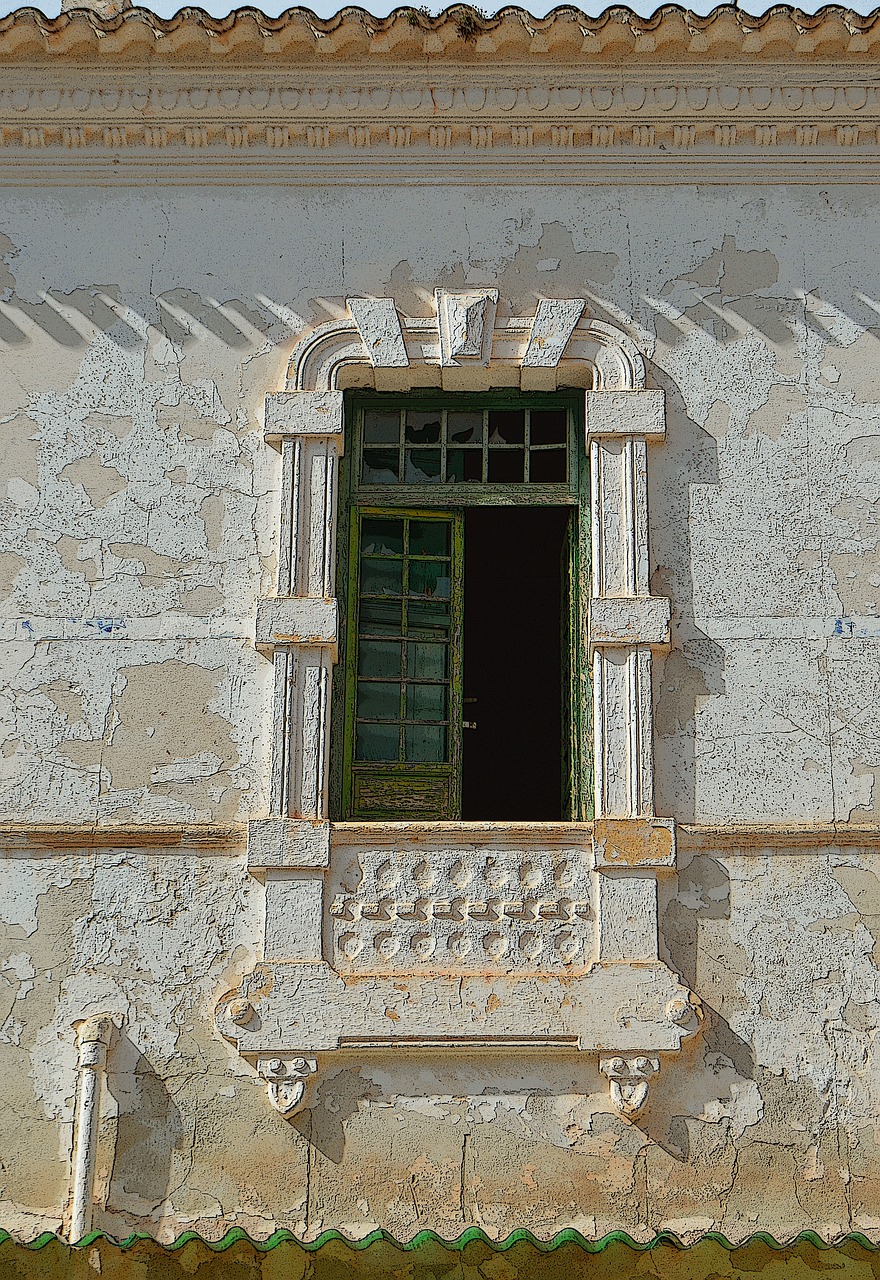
286	1080
629	1080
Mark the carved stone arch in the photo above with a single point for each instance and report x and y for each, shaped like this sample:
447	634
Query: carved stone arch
559	338
297	1003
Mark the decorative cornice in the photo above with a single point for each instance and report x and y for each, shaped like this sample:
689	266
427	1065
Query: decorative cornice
146	108
459	34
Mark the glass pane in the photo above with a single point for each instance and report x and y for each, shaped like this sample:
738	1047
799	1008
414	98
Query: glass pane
506	466
464	465
547	466
422	428
507	426
428	538
381	617
548	426
381	466
427	616
378	701
379	658
382	538
464	428
429	578
381	426
381	577
426	743
426	702
377	742
426	661
422	466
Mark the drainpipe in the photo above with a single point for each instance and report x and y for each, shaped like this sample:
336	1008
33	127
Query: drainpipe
92	1037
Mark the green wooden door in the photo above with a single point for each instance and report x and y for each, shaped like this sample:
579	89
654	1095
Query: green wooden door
404	665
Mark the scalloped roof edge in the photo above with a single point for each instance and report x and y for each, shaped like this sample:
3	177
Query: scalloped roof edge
453	16
424	1239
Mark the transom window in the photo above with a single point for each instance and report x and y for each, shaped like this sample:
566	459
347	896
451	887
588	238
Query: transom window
465	445
462	546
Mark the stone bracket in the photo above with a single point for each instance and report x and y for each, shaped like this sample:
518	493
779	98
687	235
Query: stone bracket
633	843
622	413
379	326
629	1080
286	1081
295	620
552	327
466	321
290	414
634	620
287	843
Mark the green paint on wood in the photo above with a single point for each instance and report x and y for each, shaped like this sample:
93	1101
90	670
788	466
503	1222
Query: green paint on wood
419	459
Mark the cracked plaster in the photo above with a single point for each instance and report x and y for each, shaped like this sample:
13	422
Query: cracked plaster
138	515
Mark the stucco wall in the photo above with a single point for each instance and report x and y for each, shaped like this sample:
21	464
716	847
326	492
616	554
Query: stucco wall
141	332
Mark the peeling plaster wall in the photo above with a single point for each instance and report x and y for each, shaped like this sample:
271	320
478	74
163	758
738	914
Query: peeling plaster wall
137	529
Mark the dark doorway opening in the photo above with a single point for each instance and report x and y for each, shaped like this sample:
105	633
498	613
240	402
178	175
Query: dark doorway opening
515	631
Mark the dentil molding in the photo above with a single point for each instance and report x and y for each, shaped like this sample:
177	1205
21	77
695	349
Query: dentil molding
426	115
432	92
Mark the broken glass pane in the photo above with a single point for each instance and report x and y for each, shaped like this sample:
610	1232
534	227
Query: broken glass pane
464	428
382	538
422	466
547	466
463	465
381	466
506	466
381	577
507	426
422	428
548	426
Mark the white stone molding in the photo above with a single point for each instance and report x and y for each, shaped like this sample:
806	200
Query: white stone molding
594	354
625	620
464	346
466	322
551	331
379	326
442	935
632	99
286	1081
383	934
629	1080
93	1038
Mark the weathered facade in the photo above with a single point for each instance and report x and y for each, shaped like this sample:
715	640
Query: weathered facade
657	1007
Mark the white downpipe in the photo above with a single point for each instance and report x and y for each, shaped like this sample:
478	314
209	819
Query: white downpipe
93	1037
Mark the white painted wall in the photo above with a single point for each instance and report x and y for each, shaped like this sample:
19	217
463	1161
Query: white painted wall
140	332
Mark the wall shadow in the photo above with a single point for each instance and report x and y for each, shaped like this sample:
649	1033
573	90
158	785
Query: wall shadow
693	669
149	1128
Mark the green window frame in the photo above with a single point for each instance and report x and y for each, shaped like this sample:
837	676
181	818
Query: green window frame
404	479
404	663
